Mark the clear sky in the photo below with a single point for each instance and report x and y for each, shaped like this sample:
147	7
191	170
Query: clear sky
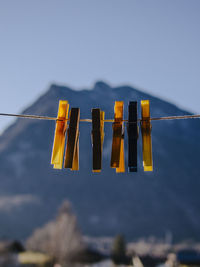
151	44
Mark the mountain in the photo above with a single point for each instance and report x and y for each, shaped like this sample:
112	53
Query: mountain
136	204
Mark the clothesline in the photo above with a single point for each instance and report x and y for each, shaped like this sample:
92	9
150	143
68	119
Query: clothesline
70	130
24	116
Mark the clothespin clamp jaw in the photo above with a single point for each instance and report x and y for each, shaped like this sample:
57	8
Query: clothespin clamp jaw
72	148
133	133
146	136
97	138
117	155
59	136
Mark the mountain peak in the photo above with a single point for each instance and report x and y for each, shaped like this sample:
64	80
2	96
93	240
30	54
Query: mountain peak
101	86
59	88
166	196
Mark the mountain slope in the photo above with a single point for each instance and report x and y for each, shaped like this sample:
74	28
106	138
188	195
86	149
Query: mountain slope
141	204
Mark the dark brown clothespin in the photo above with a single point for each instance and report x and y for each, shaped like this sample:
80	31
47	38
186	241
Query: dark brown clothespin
72	149
132	130
97	138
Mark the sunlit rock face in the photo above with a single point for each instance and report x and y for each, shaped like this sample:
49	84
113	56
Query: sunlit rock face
136	204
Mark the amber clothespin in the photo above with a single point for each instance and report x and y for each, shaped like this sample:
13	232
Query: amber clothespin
146	136
97	138
72	149
117	156
59	137
132	130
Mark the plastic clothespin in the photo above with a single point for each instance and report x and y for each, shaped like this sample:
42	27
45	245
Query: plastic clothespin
117	156
97	138
72	149
146	136
132	130
60	133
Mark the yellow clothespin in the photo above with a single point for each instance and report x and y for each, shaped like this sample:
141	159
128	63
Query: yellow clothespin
72	149
117	156
59	137
97	138
146	136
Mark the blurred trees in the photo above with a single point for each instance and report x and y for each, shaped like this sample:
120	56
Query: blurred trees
60	238
119	250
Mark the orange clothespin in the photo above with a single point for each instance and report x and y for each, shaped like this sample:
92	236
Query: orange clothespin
60	132
117	156
146	136
97	138
72	149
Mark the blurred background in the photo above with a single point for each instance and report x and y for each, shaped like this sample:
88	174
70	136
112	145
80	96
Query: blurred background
93	53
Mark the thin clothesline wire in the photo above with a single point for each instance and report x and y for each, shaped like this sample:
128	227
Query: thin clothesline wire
24	116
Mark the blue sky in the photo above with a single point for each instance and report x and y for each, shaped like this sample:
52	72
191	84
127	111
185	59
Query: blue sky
151	44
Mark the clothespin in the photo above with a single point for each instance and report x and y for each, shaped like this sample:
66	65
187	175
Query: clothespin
60	132
97	138
132	130
146	136
117	156
72	149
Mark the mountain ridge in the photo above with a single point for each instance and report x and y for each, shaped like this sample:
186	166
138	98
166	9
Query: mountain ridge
138	205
